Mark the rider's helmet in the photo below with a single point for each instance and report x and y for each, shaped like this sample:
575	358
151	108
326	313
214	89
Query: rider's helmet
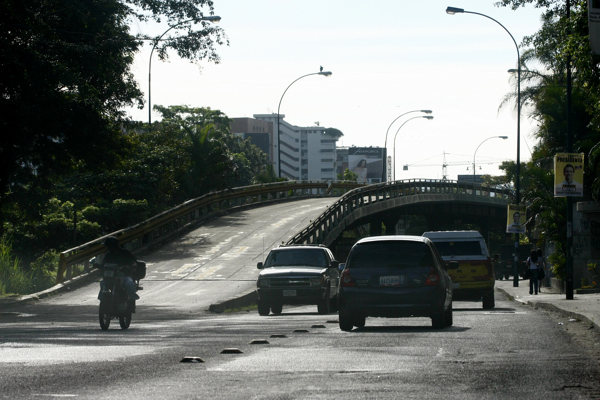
111	242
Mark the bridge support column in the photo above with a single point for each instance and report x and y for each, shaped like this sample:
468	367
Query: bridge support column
390	226
375	228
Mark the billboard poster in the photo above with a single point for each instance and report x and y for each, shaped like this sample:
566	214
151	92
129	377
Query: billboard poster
516	218
594	27
568	174
368	163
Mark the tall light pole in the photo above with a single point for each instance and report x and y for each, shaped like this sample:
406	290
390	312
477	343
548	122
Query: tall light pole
211	18
493	137
325	74
452	11
388	130
429	117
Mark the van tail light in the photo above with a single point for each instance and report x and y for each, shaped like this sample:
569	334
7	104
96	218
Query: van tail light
346	279
433	278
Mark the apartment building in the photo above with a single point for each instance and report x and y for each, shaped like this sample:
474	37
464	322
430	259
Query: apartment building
259	132
307	153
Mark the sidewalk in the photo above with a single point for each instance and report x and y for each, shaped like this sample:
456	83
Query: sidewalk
584	307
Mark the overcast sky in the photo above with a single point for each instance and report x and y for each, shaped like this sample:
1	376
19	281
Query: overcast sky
387	57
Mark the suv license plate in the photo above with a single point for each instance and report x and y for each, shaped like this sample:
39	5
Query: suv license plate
289	293
109	273
394	280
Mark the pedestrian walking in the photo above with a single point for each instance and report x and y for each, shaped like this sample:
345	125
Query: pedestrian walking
532	265
542	270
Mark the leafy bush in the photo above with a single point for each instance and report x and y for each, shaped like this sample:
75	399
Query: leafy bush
594	269
14	279
559	264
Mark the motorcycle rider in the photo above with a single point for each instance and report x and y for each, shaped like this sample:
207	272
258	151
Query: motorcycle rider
120	256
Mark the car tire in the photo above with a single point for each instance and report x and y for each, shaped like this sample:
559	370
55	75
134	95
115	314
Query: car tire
333	304
488	301
323	304
437	319
276	308
345	321
360	321
263	308
448	319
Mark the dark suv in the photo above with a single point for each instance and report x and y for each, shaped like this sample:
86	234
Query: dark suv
392	277
297	274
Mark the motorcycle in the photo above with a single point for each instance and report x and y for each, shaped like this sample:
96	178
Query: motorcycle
114	301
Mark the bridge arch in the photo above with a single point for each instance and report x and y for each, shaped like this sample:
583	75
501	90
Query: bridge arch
387	202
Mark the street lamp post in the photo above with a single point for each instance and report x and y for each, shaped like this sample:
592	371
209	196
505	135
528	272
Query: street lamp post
429	117
396	119
455	10
211	18
323	73
493	137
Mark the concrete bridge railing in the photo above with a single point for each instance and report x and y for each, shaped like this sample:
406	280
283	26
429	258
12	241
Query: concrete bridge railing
188	215
340	215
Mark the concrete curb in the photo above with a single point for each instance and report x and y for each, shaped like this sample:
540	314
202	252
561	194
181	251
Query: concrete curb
552	307
243	300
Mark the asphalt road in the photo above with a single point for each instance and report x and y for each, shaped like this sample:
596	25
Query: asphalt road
54	347
506	353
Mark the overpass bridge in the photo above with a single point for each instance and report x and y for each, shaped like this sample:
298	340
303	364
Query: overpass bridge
442	204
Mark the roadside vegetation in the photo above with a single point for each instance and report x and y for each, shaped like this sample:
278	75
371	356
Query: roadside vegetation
73	167
544	56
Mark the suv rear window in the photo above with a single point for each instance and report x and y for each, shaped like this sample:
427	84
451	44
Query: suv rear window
451	248
309	257
391	254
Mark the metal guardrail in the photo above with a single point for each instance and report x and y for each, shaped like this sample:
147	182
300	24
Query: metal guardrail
164	226
326	228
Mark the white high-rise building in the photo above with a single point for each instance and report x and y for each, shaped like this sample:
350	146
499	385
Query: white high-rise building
306	153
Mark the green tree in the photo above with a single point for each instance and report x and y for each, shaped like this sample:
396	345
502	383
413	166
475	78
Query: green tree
65	77
348	176
218	159
559	40
269	176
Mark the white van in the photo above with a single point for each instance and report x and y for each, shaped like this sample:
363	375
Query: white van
474	279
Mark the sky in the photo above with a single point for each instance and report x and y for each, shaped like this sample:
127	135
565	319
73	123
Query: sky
387	58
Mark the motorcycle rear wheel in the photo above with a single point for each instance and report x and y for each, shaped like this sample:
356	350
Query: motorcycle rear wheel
125	320
104	315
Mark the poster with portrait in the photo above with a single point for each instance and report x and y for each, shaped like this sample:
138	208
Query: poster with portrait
568	174
516	218
367	163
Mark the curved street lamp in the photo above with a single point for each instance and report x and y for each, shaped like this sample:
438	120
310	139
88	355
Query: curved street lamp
455	10
388	130
211	18
493	137
325	74
429	117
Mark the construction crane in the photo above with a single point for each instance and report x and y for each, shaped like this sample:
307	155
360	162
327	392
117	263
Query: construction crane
445	164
